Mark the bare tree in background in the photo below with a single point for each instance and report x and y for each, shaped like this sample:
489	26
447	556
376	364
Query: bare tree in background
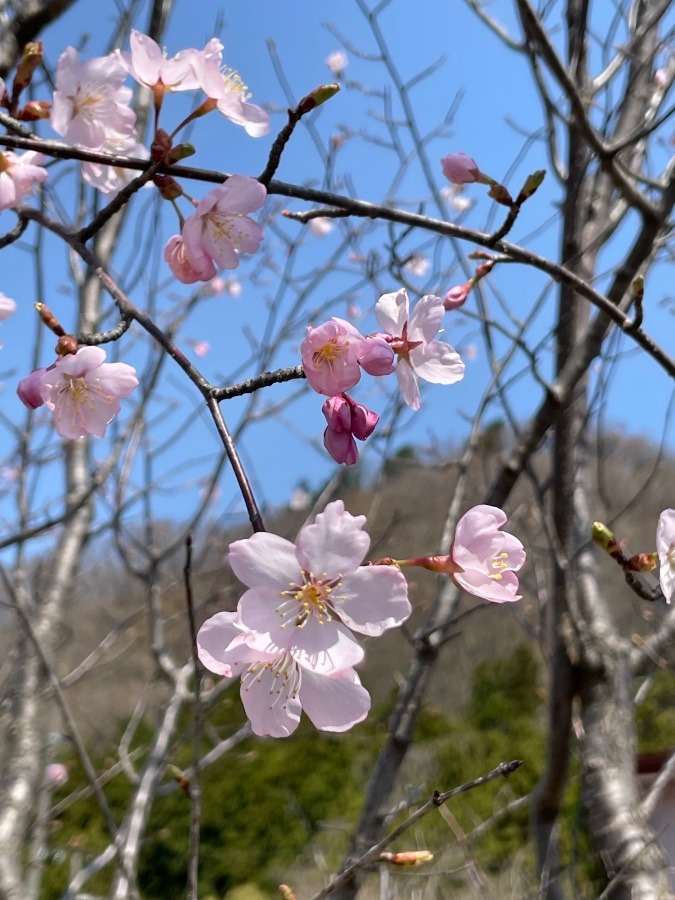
604	79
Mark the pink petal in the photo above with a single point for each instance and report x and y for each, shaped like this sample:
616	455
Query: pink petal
271	703
336	703
437	363
407	384
325	647
391	311
502	591
335	544
264	560
426	319
373	599
221	647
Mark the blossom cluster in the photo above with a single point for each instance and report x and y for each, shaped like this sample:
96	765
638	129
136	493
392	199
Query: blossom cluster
292	637
334	355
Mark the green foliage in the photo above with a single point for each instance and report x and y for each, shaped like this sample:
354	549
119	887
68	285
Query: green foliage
655	715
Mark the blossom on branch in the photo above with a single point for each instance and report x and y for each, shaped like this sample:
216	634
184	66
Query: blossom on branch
330	356
276	687
412	339
486	558
90	105
83	391
337	62
665	546
149	66
18	174
291	637
7	307
217	231
460	168
346	420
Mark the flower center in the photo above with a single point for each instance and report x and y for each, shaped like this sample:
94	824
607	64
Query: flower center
233	82
332	350
310	598
499	563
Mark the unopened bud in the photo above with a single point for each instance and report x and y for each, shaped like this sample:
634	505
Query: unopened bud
168	187
161	145
532	183
49	319
602	535
31	58
499	193
66	345
484	269
316	97
408	857
287	893
638	288
180	151
642	562
34	110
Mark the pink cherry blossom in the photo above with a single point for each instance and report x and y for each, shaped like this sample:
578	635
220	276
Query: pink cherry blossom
56	774
459	168
29	389
417	265
90	105
149	66
337	61
226	88
665	546
330	356
7	307
219	228
305	597
346	420
84	392
276	685
486	558
187	269
419	354
18	174
377	356
111	179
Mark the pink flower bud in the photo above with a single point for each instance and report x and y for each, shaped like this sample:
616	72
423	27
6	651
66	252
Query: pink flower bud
459	168
377	357
56	774
364	421
29	389
338	413
341	446
456	296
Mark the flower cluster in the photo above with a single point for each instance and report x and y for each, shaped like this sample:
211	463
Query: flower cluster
334	355
292	637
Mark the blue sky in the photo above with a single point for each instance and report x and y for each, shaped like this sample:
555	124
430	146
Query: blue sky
495	107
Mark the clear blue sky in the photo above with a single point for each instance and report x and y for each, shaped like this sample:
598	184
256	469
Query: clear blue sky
496	107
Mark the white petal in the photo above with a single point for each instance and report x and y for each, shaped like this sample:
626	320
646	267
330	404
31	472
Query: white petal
373	599
336	703
437	362
264	560
391	311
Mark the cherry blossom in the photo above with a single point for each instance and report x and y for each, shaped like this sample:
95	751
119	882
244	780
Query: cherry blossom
90	105
84	391
377	356
321	226
417	265
149	66
330	356
486	558
276	686
56	774
186	269
7	307
346	420
111	179
459	168
305	597
219	229
225	87
413	340
665	546
18	174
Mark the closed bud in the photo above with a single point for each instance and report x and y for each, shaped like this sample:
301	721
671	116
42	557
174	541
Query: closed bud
34	110
161	145
316	97
642	562
532	183
31	58
66	345
168	187
408	857
499	193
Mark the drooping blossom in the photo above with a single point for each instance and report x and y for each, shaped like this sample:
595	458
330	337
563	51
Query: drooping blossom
18	174
91	105
665	546
277	685
346	420
337	62
7	307
29	389
486	558
84	391
225	87
460	168
217	231
321	226
419	354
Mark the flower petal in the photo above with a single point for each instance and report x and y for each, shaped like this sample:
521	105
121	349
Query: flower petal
335	544
373	599
271	702
264	560
426	319
437	362
336	703
407	384
391	311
